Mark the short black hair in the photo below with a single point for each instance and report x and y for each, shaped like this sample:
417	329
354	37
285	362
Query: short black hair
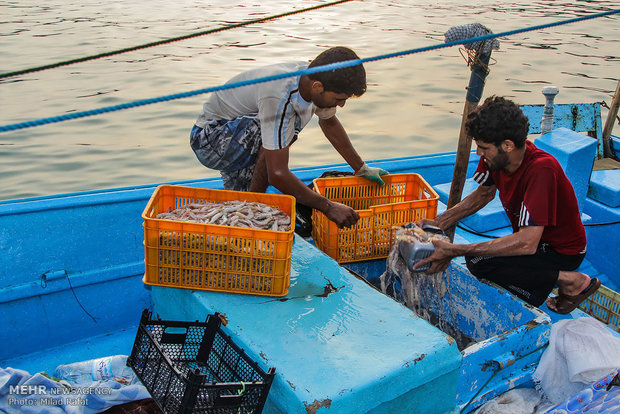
350	80
496	120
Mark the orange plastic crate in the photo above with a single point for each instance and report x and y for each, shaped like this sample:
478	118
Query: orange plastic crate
404	198
215	257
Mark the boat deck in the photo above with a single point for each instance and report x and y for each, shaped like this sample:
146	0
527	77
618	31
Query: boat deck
117	342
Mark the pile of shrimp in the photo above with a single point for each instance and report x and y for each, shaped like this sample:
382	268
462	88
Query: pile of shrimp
414	233
232	213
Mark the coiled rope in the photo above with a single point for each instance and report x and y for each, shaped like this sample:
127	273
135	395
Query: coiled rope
333	66
165	41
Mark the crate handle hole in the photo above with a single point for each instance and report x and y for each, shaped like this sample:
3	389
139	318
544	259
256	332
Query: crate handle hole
174	335
176	330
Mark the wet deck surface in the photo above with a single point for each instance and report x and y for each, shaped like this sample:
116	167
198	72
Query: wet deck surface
332	339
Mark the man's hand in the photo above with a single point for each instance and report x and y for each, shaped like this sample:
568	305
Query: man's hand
440	259
342	215
371	173
425	221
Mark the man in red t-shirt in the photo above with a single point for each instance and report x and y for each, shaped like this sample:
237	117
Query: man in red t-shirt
548	242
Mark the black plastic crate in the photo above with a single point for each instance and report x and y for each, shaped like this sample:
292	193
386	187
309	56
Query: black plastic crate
193	367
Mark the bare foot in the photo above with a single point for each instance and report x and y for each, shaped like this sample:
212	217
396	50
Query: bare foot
572	283
551	304
569	283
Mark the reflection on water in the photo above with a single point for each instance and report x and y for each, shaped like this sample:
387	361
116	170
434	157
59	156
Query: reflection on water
413	104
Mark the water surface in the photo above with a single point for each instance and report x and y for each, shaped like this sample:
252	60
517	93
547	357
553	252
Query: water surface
413	104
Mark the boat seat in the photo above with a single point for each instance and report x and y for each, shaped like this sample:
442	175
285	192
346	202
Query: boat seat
490	217
576	154
605	186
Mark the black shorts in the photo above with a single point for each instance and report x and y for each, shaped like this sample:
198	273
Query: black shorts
530	277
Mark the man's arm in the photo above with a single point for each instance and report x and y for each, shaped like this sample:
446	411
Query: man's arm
479	198
337	136
281	177
522	243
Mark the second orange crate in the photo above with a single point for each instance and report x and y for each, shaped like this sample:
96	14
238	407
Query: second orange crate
216	257
404	198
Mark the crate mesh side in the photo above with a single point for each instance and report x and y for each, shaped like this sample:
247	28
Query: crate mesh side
604	305
226	372
214	257
405	198
230	263
156	375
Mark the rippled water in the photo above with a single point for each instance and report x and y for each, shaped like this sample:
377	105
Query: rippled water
413	104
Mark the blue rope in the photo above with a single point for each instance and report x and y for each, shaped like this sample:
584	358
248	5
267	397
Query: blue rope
325	68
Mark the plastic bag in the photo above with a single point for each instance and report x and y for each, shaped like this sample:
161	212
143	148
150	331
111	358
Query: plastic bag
515	401
580	352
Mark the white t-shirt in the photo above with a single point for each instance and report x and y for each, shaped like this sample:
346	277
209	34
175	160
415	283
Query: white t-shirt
281	110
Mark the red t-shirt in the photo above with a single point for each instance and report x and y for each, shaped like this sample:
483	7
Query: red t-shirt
539	194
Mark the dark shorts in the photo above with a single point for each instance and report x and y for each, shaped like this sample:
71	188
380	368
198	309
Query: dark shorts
230	147
529	277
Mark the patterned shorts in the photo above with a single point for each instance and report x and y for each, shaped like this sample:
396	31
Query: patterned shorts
230	147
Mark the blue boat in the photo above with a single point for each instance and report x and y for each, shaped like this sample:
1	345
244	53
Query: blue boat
71	284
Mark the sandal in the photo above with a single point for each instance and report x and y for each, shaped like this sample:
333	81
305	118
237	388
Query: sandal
567	303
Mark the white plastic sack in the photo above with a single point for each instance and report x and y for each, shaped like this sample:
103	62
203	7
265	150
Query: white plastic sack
580	352
515	401
46	396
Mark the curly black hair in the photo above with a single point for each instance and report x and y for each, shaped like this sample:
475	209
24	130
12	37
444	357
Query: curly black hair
496	120
350	80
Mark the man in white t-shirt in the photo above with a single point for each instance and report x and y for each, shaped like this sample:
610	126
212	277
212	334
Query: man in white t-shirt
246	132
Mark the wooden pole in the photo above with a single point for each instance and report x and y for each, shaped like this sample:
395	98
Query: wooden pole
609	123
478	76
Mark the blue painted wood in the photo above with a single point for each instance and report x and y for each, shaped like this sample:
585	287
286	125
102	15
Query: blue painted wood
583	117
604	241
102	344
490	217
576	154
346	352
577	117
605	187
94	241
35	323
509	334
96	231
